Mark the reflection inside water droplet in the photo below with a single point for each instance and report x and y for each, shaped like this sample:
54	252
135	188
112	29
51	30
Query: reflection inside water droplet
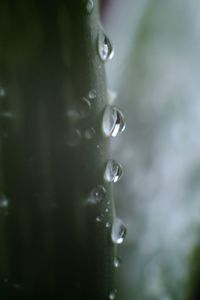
89	6
118	231
113	121
113	171
105	48
89	133
92	94
97	195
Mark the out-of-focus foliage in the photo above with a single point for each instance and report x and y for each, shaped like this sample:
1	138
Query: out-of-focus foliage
156	72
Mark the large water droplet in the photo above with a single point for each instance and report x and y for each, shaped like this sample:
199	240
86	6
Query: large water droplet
118	231
89	133
3	202
73	137
92	94
117	262
97	195
113	294
105	48
84	107
113	121
2	92
89	6
113	171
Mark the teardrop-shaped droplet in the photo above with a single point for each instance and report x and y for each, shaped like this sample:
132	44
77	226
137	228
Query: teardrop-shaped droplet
92	94
113	121
3	202
73	138
89	133
84	107
113	171
113	294
97	195
118	231
2	92
105	48
89	6
117	262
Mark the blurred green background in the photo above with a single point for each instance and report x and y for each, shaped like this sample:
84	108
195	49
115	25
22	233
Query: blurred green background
156	74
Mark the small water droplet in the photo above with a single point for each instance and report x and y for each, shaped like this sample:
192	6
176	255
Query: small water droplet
105	48
89	6
107	210
117	262
2	92
113	121
98	219
73	137
3	201
72	114
113	294
113	171
92	94
84	107
118	231
97	195
89	133
108	224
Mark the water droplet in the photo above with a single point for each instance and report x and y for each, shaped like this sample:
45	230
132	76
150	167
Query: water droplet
84	107
113	121
105	48
113	294
108	224
73	137
113	171
89	133
72	114
3	202
98	219
118	231
117	262
92	94
2	92
107	210
89	6
97	195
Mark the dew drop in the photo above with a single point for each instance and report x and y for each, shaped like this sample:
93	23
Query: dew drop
108	224
73	137
105	48
117	262
97	195
113	294
89	6
98	219
3	202
118	231
113	121
92	94
89	133
2	92
84	107
113	171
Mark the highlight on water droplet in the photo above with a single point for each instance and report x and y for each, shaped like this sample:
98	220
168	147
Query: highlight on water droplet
113	171
113	294
118	231
92	94
105	48
113	121
89	6
97	195
84	107
89	133
73	137
117	262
